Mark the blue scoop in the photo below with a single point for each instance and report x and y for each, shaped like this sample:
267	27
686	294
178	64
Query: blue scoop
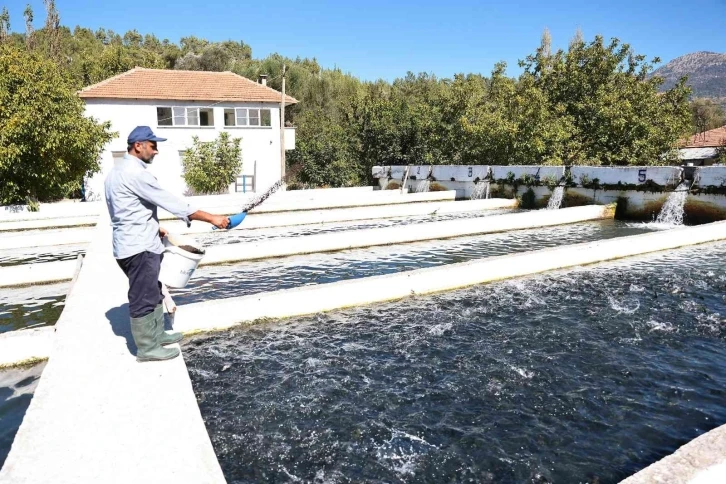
235	220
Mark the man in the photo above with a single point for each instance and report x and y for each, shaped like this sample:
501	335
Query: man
132	197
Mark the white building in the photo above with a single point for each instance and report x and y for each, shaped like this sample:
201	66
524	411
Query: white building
178	105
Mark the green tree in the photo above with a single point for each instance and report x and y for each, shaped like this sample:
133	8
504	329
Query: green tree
210	167
323	155
605	91
28	14
46	143
706	115
52	29
4	25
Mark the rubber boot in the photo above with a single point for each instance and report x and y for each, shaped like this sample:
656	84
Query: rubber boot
164	337
146	337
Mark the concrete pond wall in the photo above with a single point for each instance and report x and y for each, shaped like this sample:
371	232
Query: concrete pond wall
640	191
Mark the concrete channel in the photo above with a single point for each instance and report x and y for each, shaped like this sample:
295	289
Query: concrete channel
27	274
18	240
289	204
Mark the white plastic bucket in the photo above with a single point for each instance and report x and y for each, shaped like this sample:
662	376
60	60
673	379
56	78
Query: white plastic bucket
178	265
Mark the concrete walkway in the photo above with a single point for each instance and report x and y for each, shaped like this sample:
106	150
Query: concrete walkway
98	416
701	461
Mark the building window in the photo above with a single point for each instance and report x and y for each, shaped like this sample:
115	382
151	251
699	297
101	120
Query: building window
206	117
241	117
163	117
184	116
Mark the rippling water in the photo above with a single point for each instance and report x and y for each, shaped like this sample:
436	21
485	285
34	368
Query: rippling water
34	255
273	274
580	376
31	306
16	391
255	235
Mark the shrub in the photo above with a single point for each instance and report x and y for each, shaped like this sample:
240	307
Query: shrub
528	199
528	180
550	181
209	167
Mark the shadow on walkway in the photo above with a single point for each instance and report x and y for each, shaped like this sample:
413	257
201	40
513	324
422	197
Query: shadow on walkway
118	317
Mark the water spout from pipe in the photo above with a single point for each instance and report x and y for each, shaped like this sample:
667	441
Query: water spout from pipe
673	209
555	201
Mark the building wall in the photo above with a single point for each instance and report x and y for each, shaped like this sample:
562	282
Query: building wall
260	145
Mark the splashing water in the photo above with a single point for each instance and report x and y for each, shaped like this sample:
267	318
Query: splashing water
556	198
481	190
264	196
672	211
512	390
422	186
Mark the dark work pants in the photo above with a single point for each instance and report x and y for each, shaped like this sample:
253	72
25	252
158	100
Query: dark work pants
144	287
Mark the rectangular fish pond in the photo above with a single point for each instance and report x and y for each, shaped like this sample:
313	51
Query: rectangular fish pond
586	375
240	279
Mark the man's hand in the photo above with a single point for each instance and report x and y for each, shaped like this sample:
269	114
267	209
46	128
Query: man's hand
163	232
220	221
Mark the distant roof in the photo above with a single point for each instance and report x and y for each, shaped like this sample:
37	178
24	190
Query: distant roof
142	83
708	139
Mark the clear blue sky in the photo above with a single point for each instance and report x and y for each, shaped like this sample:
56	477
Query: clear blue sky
385	39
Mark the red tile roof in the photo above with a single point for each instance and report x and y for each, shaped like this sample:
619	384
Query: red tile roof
707	139
142	83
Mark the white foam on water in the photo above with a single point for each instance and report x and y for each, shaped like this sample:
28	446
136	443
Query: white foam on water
290	476
664	327
522	372
635	339
636	288
626	306
205	374
313	362
440	329
403	451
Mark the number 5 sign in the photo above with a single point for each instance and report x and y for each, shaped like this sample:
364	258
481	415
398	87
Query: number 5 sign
641	175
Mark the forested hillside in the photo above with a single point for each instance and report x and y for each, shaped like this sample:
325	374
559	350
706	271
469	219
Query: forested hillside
593	103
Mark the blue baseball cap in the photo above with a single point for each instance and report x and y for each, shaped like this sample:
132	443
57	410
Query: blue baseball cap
143	133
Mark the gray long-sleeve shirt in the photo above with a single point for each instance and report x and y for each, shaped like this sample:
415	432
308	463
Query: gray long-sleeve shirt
132	197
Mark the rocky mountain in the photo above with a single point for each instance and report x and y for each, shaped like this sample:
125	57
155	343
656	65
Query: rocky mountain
706	73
